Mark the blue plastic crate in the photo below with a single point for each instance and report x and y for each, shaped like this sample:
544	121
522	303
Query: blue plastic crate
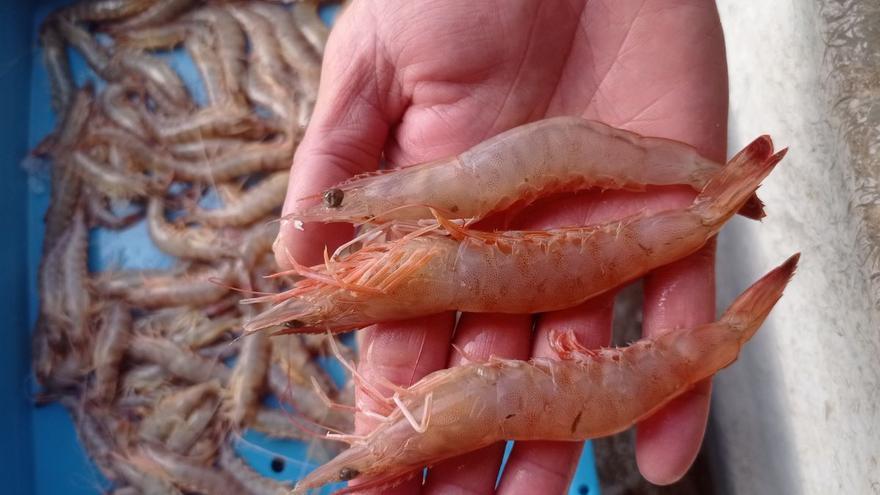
41	454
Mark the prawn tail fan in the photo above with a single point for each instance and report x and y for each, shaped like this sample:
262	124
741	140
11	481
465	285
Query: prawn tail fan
732	187
753	207
750	309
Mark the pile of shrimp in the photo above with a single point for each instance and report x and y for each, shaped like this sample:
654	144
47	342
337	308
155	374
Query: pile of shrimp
419	254
149	362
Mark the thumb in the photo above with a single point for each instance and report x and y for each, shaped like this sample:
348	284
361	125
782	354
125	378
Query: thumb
345	137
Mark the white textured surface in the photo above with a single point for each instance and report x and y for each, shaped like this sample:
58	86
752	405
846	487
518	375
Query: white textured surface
799	412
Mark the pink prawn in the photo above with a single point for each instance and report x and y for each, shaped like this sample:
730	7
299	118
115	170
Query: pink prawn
561	154
588	394
431	270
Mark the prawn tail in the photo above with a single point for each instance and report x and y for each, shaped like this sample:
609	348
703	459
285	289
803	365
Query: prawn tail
731	188
750	309
753	208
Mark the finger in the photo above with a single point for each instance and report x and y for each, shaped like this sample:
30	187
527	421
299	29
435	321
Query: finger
401	352
356	104
668	442
680	295
479	337
547	467
540	467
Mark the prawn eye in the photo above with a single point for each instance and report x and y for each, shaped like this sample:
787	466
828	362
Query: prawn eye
294	324
347	474
333	197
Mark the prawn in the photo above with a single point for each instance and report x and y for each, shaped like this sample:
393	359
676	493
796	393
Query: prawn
161	82
154	289
313	29
97	56
143	481
115	283
165	37
60	371
291	354
94	428
176	360
266	67
281	424
294	48
588	394
74	269
117	106
58	67
157	13
516	167
196	331
185	435
142	379
200	243
43	355
258	243
265	50
255	483
247	159
112	182
108	351
104	10
53	322
65	184
304	399
428	271
249	377
263	91
204	149
172	410
189	475
230	42
223	120
200	47
257	202
277	423
251	158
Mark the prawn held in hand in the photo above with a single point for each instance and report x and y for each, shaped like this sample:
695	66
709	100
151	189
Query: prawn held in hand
433	270
588	394
561	154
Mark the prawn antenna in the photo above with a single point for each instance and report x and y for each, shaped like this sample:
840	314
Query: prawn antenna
220	283
359	380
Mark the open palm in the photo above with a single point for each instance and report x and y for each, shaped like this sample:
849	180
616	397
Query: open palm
417	80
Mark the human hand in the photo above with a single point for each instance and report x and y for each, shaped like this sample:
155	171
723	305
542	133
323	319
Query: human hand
417	80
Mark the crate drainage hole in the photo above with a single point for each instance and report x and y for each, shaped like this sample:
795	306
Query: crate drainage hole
583	490
278	465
